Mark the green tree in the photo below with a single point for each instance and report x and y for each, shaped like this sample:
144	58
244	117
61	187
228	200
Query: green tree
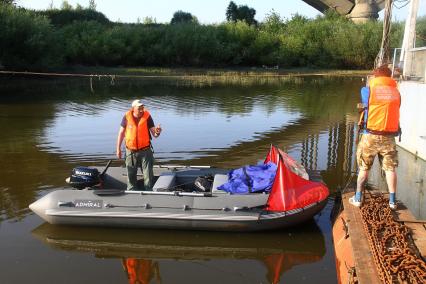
421	31
60	18
149	20
27	40
85	42
181	17
65	5
273	22
92	5
231	12
240	13
8	2
247	14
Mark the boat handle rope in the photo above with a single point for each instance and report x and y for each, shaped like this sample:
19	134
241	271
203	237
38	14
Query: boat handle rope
184	207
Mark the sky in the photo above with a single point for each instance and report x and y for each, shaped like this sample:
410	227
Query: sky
206	11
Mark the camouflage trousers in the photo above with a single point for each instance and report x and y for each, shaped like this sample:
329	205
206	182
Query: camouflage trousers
371	145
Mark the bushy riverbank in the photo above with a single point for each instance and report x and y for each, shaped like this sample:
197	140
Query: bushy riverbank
55	39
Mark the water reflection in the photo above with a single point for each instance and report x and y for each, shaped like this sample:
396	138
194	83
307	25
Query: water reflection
145	254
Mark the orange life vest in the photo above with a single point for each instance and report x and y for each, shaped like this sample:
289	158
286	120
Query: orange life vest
137	135
383	107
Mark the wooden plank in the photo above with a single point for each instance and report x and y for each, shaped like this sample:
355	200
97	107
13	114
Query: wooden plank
343	249
363	258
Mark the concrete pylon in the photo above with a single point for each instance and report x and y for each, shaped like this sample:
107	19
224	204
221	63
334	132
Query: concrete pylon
359	11
364	10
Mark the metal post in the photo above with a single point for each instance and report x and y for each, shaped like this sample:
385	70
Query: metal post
409	36
393	60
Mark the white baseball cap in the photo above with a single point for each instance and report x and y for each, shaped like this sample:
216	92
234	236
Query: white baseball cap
137	103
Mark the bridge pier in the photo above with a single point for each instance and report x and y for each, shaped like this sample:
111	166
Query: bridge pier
359	11
363	11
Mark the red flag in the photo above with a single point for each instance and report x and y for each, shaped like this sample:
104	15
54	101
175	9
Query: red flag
273	156
290	191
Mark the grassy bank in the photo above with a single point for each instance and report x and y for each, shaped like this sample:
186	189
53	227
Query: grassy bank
211	72
93	78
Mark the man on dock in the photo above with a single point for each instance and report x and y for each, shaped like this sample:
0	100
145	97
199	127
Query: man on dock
379	124
137	127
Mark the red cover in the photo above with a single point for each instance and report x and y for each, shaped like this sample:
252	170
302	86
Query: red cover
289	190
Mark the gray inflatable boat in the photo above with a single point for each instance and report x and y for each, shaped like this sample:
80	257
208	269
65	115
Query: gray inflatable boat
177	203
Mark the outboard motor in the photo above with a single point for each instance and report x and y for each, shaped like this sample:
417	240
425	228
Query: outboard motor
204	183
82	177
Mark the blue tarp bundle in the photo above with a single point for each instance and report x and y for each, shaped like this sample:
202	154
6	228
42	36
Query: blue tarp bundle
248	179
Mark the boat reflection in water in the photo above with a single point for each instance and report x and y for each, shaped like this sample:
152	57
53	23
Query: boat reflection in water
142	251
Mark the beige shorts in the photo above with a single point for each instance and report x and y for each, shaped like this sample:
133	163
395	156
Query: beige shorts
371	145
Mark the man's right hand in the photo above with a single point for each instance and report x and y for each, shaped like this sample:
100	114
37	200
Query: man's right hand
118	153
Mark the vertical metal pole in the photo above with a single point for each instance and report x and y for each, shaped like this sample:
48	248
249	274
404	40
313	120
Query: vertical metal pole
393	60
409	36
383	55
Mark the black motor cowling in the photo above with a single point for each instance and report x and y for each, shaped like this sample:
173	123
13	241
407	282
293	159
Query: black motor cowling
204	183
82	177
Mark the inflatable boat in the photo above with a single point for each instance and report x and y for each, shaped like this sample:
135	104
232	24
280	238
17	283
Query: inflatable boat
177	203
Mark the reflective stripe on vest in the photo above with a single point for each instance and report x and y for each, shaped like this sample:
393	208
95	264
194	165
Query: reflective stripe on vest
383	107
137	136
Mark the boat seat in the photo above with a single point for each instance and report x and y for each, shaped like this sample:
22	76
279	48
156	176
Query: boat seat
165	182
218	180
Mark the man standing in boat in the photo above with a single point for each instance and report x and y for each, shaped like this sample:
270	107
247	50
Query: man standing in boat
137	127
379	124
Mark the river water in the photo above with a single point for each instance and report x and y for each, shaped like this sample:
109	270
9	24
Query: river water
49	126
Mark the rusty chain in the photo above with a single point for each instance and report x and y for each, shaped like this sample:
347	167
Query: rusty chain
393	250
